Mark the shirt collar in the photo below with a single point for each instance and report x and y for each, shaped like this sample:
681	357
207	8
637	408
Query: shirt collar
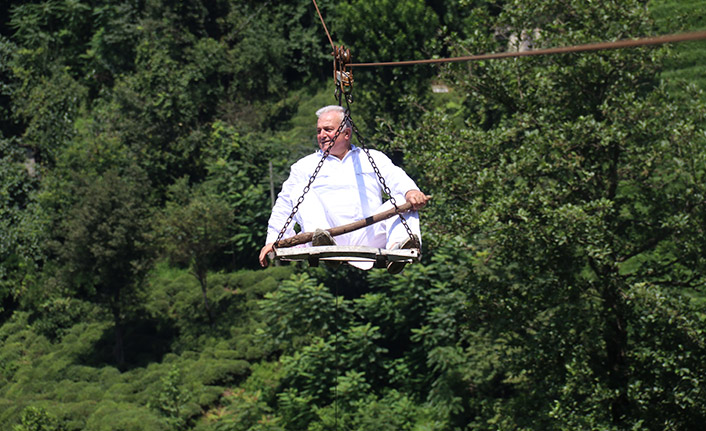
353	148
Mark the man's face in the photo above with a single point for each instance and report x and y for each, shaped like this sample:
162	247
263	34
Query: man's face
326	128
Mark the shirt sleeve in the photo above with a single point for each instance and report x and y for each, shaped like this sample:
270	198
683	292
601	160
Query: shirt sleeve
284	204
395	177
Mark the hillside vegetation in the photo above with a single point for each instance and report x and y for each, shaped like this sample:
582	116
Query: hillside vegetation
685	65
564	264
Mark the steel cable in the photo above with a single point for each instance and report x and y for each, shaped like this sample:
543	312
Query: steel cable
628	43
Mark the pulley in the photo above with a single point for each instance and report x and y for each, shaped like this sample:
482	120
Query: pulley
342	73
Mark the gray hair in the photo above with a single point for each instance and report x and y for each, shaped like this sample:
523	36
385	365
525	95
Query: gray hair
335	108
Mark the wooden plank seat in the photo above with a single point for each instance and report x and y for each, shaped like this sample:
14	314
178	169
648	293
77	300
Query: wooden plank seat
285	250
379	256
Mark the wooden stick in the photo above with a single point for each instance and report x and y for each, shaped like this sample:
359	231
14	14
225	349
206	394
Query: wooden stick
305	237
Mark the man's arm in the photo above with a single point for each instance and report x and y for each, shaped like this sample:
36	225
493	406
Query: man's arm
278	216
263	253
417	199
399	182
283	207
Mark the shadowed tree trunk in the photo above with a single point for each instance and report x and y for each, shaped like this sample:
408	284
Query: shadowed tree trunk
201	274
119	346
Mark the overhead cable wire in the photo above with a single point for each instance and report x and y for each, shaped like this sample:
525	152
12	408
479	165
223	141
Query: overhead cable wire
628	43
324	24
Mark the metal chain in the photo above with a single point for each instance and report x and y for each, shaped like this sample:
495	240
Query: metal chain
381	179
295	209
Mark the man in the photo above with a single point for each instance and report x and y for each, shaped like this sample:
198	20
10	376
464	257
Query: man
346	189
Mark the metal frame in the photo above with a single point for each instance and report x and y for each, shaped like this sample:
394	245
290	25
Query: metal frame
337	253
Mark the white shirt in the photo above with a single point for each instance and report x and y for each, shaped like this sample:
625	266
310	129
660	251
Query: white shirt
347	189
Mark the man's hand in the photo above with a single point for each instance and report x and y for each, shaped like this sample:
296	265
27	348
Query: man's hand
263	253
417	199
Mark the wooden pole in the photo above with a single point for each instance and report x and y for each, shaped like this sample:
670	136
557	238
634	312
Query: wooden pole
272	186
305	237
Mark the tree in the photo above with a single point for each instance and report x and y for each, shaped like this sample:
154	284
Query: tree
106	247
238	172
37	419
8	126
194	226
576	185
22	226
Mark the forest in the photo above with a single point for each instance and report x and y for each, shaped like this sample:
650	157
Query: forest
562	284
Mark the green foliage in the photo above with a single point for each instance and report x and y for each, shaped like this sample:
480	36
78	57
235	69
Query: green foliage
59	27
682	67
675	326
21	227
273	45
247	407
105	245
156	110
297	311
111	415
237	169
56	314
167	394
111	49
241	411
106	249
193	227
49	106
401	30
37	419
174	295
7	86
346	370
563	275
394	411
569	186
314	369
171	400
